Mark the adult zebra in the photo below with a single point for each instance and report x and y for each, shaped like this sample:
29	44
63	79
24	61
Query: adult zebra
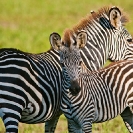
93	96
30	88
30	84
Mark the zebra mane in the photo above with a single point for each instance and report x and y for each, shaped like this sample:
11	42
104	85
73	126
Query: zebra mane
89	20
67	37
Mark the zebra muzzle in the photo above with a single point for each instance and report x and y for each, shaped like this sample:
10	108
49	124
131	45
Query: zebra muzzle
75	87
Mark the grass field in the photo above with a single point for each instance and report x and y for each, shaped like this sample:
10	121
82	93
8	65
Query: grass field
26	25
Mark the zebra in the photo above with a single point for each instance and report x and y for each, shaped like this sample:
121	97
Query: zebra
94	96
30	88
31	84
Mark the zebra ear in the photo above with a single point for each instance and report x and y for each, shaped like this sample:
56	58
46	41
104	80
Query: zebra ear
55	40
81	39
115	17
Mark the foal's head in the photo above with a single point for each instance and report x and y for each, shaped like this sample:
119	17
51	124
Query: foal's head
70	58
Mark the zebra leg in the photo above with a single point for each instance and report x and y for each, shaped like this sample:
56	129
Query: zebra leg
127	116
72	128
11	123
10	116
51	124
78	127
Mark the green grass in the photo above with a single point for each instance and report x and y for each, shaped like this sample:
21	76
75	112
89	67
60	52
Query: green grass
27	24
113	126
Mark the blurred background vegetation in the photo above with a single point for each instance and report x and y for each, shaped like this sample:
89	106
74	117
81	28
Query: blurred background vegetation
27	24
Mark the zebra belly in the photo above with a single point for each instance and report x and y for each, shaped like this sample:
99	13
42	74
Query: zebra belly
106	110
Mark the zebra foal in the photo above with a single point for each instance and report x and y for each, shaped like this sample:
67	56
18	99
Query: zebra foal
93	96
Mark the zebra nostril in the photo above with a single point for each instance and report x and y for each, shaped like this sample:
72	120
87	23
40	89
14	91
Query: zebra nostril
75	88
74	91
78	90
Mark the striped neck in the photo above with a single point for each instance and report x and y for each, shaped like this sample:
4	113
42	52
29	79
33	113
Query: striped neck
104	41
128	54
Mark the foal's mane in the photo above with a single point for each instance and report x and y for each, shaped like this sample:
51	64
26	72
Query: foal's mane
89	20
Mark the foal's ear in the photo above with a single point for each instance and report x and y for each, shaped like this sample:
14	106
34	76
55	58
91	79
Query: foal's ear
81	39
55	40
115	17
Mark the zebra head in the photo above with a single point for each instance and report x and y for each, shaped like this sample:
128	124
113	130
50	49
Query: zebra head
107	37
71	60
122	39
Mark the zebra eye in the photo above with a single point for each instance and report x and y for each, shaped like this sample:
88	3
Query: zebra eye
62	64
129	40
75	43
80	63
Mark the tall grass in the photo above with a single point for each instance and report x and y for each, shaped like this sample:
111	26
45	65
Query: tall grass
26	25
